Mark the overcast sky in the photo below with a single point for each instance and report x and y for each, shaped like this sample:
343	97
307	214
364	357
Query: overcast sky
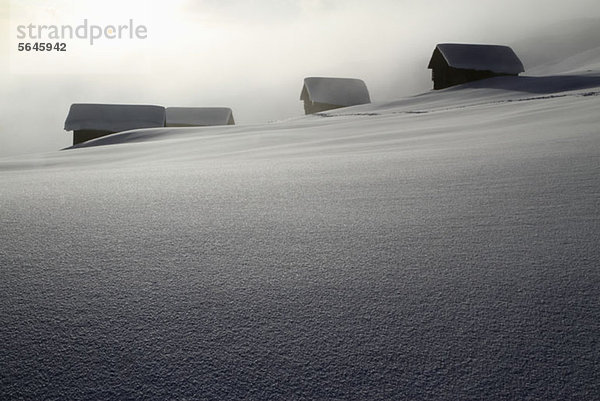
247	55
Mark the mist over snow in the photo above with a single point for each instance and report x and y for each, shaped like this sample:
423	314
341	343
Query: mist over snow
252	56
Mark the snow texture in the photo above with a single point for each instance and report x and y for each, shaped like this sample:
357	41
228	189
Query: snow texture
198	116
113	117
442	246
498	59
336	91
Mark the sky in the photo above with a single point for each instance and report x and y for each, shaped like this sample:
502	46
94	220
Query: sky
247	55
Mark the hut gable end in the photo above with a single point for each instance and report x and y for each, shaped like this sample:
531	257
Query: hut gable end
320	94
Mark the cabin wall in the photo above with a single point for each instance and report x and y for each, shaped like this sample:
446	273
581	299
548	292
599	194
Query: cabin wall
315	107
84	135
445	77
439	76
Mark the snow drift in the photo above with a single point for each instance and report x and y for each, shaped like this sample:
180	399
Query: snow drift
442	246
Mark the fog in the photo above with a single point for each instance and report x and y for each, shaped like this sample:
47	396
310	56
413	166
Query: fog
252	55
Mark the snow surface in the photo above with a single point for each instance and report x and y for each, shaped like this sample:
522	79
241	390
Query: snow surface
587	61
499	59
337	91
113	117
443	246
198	116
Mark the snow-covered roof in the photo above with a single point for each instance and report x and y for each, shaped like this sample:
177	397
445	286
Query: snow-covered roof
113	117
198	116
336	91
499	59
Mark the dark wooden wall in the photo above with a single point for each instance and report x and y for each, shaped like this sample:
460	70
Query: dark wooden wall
83	135
315	107
444	76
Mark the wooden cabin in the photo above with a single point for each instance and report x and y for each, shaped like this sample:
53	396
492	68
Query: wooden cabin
89	121
198	116
454	63
320	94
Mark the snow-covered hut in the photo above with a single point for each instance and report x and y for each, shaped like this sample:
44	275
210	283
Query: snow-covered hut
198	116
454	63
320	94
89	121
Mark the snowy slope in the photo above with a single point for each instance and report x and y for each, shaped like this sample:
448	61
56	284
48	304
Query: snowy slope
586	61
443	246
